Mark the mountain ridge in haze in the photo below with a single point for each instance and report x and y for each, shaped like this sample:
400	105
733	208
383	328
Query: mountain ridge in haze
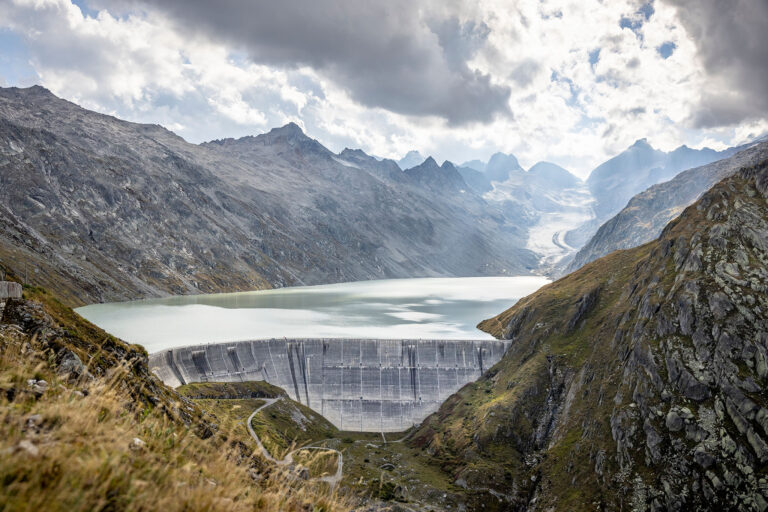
104	209
648	212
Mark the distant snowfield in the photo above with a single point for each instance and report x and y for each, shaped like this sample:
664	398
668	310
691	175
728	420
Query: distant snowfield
546	237
560	211
436	308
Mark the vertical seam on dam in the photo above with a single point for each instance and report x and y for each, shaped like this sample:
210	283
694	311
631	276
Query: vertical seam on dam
305	373
293	372
370	385
172	365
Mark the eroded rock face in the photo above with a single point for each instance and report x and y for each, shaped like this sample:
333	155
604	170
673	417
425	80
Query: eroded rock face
664	403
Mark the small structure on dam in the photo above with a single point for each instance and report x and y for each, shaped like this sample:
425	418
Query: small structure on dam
357	384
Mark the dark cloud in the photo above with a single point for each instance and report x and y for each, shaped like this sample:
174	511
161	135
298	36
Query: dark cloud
384	53
732	40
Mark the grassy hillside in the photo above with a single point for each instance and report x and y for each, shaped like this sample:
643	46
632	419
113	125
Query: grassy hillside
636	382
230	390
84	426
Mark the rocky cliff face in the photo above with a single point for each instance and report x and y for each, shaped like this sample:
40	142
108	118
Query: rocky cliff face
100	209
648	212
636	383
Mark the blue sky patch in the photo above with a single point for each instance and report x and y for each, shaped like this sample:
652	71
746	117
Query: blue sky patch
594	56
666	49
15	69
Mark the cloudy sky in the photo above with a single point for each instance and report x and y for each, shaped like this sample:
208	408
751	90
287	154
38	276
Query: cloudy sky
572	82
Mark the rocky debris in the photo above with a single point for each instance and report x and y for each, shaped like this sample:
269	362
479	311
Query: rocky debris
674	421
33	423
702	457
38	387
137	445
29	447
71	365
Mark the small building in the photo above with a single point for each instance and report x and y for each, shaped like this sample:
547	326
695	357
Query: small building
9	290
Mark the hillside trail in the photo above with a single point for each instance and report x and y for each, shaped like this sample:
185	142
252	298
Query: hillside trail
332	480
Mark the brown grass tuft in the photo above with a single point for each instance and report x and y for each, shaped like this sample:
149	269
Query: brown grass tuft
71	446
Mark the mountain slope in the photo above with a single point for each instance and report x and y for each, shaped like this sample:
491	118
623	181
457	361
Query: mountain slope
547	174
437	178
648	212
637	382
614	182
100	209
84	426
476	180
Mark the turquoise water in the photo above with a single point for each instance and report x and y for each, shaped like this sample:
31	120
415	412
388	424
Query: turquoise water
396	308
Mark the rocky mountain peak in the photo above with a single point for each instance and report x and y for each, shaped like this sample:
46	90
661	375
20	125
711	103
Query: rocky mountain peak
433	176
429	162
641	144
290	131
356	153
552	175
501	166
411	159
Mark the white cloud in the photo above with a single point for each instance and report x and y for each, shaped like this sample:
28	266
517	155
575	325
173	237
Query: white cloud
139	66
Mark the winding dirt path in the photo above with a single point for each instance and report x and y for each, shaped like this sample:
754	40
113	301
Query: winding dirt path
332	480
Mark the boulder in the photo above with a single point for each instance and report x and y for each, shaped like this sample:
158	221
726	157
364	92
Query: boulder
674	421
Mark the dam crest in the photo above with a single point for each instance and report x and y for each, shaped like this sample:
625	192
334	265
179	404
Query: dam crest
367	385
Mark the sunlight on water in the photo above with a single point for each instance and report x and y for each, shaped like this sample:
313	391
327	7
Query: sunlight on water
395	308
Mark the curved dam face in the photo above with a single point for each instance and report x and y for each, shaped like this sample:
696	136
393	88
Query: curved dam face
357	384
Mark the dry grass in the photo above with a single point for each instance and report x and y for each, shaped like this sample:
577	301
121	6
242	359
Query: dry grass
65	450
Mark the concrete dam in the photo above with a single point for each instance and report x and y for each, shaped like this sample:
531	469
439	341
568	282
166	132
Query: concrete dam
363	385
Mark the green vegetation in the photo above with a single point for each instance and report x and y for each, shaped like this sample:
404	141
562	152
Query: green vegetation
489	439
286	425
251	389
319	463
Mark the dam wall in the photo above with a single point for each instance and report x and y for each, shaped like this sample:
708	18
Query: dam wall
357	384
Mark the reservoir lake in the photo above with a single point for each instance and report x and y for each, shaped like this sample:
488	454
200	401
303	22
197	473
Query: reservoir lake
423	308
